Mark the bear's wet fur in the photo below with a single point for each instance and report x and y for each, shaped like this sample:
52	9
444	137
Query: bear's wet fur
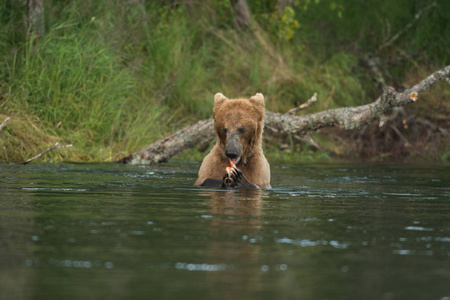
238	124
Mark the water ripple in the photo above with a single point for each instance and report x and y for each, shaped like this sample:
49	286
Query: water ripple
203	267
55	189
310	243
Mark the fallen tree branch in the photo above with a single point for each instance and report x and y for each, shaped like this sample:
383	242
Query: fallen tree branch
162	150
293	111
4	123
348	118
49	149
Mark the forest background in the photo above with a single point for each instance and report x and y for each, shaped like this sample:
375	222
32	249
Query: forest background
111	77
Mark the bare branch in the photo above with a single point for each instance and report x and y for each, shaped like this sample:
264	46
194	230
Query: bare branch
308	139
49	149
347	118
407	27
402	137
407	57
303	106
374	64
4	123
372	60
432	126
388	29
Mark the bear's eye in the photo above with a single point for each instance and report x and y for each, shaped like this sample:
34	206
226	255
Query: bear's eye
241	130
224	130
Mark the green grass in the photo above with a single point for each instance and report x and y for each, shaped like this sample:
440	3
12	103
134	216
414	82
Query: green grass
78	88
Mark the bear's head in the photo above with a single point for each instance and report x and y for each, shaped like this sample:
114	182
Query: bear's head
238	124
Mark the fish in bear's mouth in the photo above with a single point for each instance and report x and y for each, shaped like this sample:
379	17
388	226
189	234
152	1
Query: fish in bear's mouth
233	165
235	160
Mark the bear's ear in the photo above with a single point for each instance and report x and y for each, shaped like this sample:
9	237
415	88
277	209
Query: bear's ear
219	99
258	100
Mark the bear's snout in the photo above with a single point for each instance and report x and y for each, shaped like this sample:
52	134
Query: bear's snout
233	148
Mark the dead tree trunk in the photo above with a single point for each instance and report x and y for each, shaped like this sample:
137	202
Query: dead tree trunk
36	21
348	118
242	13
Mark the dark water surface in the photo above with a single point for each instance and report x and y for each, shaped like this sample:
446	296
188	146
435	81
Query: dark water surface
107	231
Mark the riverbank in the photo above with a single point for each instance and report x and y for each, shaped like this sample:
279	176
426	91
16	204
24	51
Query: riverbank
110	78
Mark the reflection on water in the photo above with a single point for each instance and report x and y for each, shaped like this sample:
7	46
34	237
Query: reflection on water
94	231
237	215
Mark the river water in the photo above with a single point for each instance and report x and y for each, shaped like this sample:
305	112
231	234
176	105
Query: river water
324	231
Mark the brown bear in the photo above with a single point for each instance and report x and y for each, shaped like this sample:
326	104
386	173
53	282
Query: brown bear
238	124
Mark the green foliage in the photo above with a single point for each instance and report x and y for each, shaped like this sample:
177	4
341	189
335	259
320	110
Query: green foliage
366	25
284	24
223	11
283	18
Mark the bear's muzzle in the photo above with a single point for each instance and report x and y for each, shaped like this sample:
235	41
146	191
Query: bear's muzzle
233	147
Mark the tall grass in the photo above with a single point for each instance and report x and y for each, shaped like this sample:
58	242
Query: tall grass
76	86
